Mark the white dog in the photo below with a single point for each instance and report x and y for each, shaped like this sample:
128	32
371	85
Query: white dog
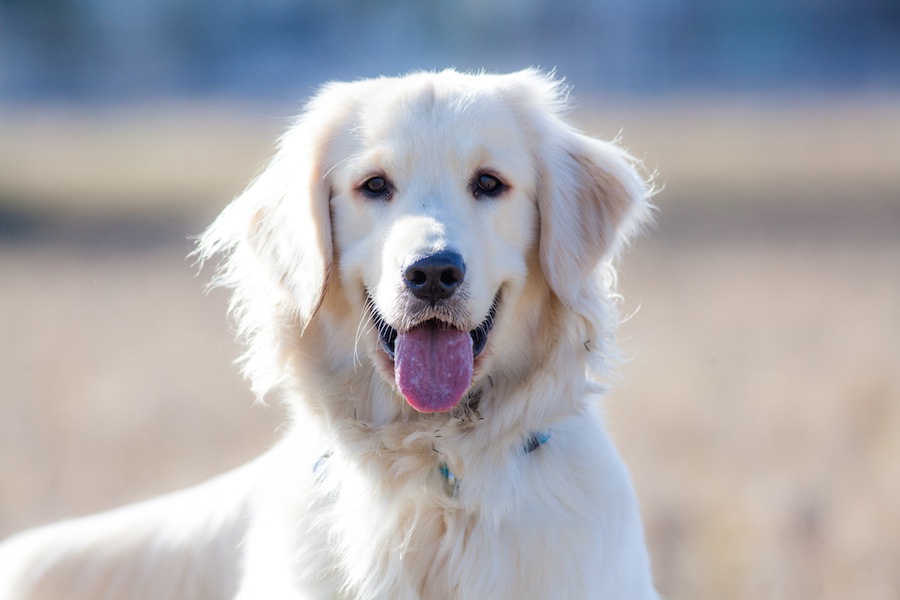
423	274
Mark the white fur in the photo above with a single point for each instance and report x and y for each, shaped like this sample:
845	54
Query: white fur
303	251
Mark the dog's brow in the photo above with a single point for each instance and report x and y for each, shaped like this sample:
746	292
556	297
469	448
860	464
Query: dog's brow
335	166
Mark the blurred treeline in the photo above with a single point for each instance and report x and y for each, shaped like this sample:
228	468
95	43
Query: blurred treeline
97	50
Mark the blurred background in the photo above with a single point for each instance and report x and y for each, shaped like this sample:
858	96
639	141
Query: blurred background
760	410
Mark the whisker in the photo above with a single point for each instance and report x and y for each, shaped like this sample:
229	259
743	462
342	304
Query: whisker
360	330
339	163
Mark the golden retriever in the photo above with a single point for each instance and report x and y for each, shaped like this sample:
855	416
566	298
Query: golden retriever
423	274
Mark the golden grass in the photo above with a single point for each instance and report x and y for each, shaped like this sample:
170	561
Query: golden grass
181	159
117	382
762	150
759	414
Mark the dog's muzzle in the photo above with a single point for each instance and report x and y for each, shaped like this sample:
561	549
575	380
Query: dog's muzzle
434	360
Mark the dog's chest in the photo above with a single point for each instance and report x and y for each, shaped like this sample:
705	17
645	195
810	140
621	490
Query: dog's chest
437	528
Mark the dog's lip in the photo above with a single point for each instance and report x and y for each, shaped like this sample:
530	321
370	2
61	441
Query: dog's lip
387	335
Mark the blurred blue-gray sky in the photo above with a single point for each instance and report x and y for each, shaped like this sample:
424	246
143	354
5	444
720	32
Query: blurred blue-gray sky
277	50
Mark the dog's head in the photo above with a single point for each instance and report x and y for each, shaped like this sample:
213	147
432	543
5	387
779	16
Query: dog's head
433	217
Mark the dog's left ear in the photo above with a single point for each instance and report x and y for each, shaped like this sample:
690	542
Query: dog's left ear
290	228
276	235
591	199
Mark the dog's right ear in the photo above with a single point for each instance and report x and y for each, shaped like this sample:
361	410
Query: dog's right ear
276	236
591	199
590	194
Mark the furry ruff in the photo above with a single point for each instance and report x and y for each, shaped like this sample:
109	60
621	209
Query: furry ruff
423	273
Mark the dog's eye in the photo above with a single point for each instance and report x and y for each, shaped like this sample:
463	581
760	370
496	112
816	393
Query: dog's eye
376	187
488	185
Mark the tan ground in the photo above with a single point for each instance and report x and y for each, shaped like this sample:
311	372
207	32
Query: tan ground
760	412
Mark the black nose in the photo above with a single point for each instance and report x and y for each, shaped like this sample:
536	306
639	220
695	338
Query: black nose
435	277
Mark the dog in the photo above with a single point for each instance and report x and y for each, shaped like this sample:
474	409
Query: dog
424	274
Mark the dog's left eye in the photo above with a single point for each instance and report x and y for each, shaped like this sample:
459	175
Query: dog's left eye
488	185
376	187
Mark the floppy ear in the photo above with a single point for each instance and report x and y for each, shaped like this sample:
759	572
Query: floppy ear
290	230
590	199
277	234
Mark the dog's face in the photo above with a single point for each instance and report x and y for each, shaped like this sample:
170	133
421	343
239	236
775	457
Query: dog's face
433	210
444	210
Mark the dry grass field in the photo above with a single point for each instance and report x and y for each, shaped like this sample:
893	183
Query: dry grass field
760	410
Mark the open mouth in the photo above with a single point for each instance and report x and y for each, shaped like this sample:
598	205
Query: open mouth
433	362
387	335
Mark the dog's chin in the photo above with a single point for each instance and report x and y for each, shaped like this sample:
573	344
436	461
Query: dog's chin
391	366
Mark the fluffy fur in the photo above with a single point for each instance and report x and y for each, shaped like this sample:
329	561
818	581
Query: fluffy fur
352	503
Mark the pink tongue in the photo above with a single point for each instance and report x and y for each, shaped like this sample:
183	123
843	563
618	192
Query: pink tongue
433	367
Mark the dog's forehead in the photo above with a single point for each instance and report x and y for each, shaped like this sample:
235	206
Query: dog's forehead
429	106
428	121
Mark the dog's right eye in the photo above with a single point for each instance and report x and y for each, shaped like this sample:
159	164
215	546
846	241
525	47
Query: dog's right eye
487	185
376	187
